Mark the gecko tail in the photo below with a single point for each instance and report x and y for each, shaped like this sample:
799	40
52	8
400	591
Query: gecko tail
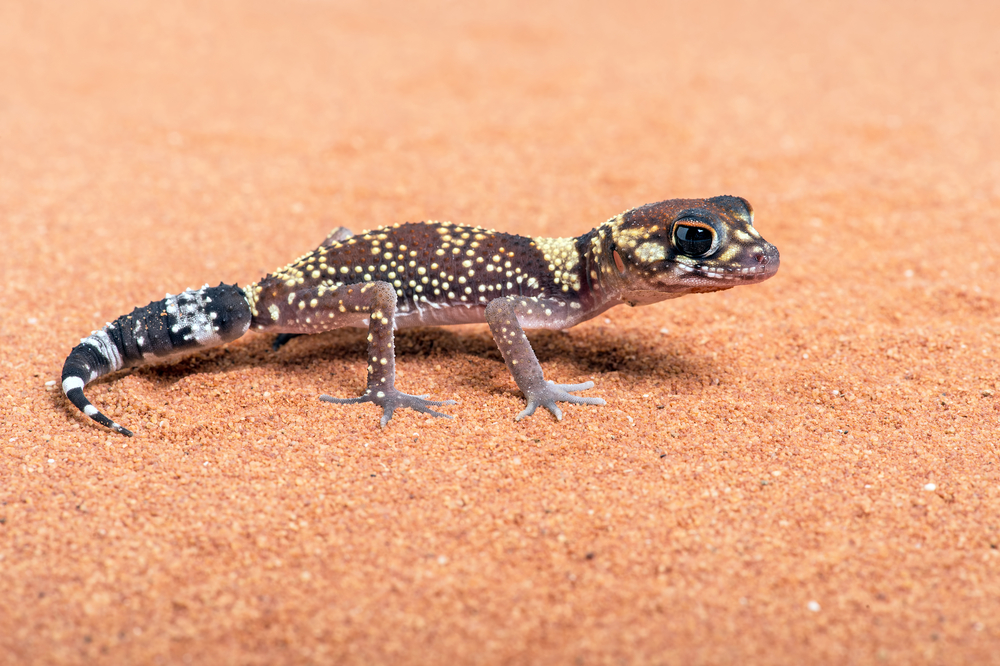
73	388
192	320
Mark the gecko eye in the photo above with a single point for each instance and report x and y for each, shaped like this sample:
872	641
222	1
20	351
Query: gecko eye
693	239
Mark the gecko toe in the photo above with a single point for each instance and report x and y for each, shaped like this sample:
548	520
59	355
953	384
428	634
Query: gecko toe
344	401
426	410
574	387
550	393
528	411
391	399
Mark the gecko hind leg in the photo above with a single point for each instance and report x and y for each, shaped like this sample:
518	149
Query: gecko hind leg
378	299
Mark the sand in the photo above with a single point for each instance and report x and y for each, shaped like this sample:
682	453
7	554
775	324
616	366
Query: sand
803	471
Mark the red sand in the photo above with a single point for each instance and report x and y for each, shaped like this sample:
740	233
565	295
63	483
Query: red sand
813	477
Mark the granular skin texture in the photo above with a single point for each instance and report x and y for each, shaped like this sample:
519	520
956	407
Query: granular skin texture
804	471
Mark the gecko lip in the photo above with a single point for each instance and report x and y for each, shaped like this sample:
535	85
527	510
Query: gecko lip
745	273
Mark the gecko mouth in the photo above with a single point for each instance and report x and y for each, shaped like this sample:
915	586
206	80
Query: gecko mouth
720	273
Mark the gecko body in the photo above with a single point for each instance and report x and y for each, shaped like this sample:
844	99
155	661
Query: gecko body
440	273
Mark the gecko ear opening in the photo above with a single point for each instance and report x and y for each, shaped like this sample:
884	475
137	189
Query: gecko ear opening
619	264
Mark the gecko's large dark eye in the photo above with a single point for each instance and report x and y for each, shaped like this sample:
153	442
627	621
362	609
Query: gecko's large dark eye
693	240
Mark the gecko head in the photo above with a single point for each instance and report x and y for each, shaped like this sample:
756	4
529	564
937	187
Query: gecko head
691	245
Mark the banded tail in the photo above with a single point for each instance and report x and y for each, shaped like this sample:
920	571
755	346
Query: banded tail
195	319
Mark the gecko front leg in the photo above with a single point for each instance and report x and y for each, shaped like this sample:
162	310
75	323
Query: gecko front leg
502	316
378	301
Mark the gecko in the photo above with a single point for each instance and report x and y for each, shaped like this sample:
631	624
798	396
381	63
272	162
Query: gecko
441	273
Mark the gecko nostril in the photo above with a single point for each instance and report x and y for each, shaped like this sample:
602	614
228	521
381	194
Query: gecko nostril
760	257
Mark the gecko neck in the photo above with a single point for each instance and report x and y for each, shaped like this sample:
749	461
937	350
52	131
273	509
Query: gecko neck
605	284
611	282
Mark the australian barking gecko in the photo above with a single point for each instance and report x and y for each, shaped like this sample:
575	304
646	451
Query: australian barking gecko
440	273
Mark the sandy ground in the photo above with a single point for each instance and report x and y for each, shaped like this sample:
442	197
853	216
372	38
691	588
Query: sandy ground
802	471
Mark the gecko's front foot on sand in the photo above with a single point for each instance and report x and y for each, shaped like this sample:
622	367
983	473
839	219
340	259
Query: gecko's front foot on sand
548	394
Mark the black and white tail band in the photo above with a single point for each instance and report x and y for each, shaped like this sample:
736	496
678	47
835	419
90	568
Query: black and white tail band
195	319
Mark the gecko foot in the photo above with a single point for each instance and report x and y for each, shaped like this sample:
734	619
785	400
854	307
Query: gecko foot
390	399
550	393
